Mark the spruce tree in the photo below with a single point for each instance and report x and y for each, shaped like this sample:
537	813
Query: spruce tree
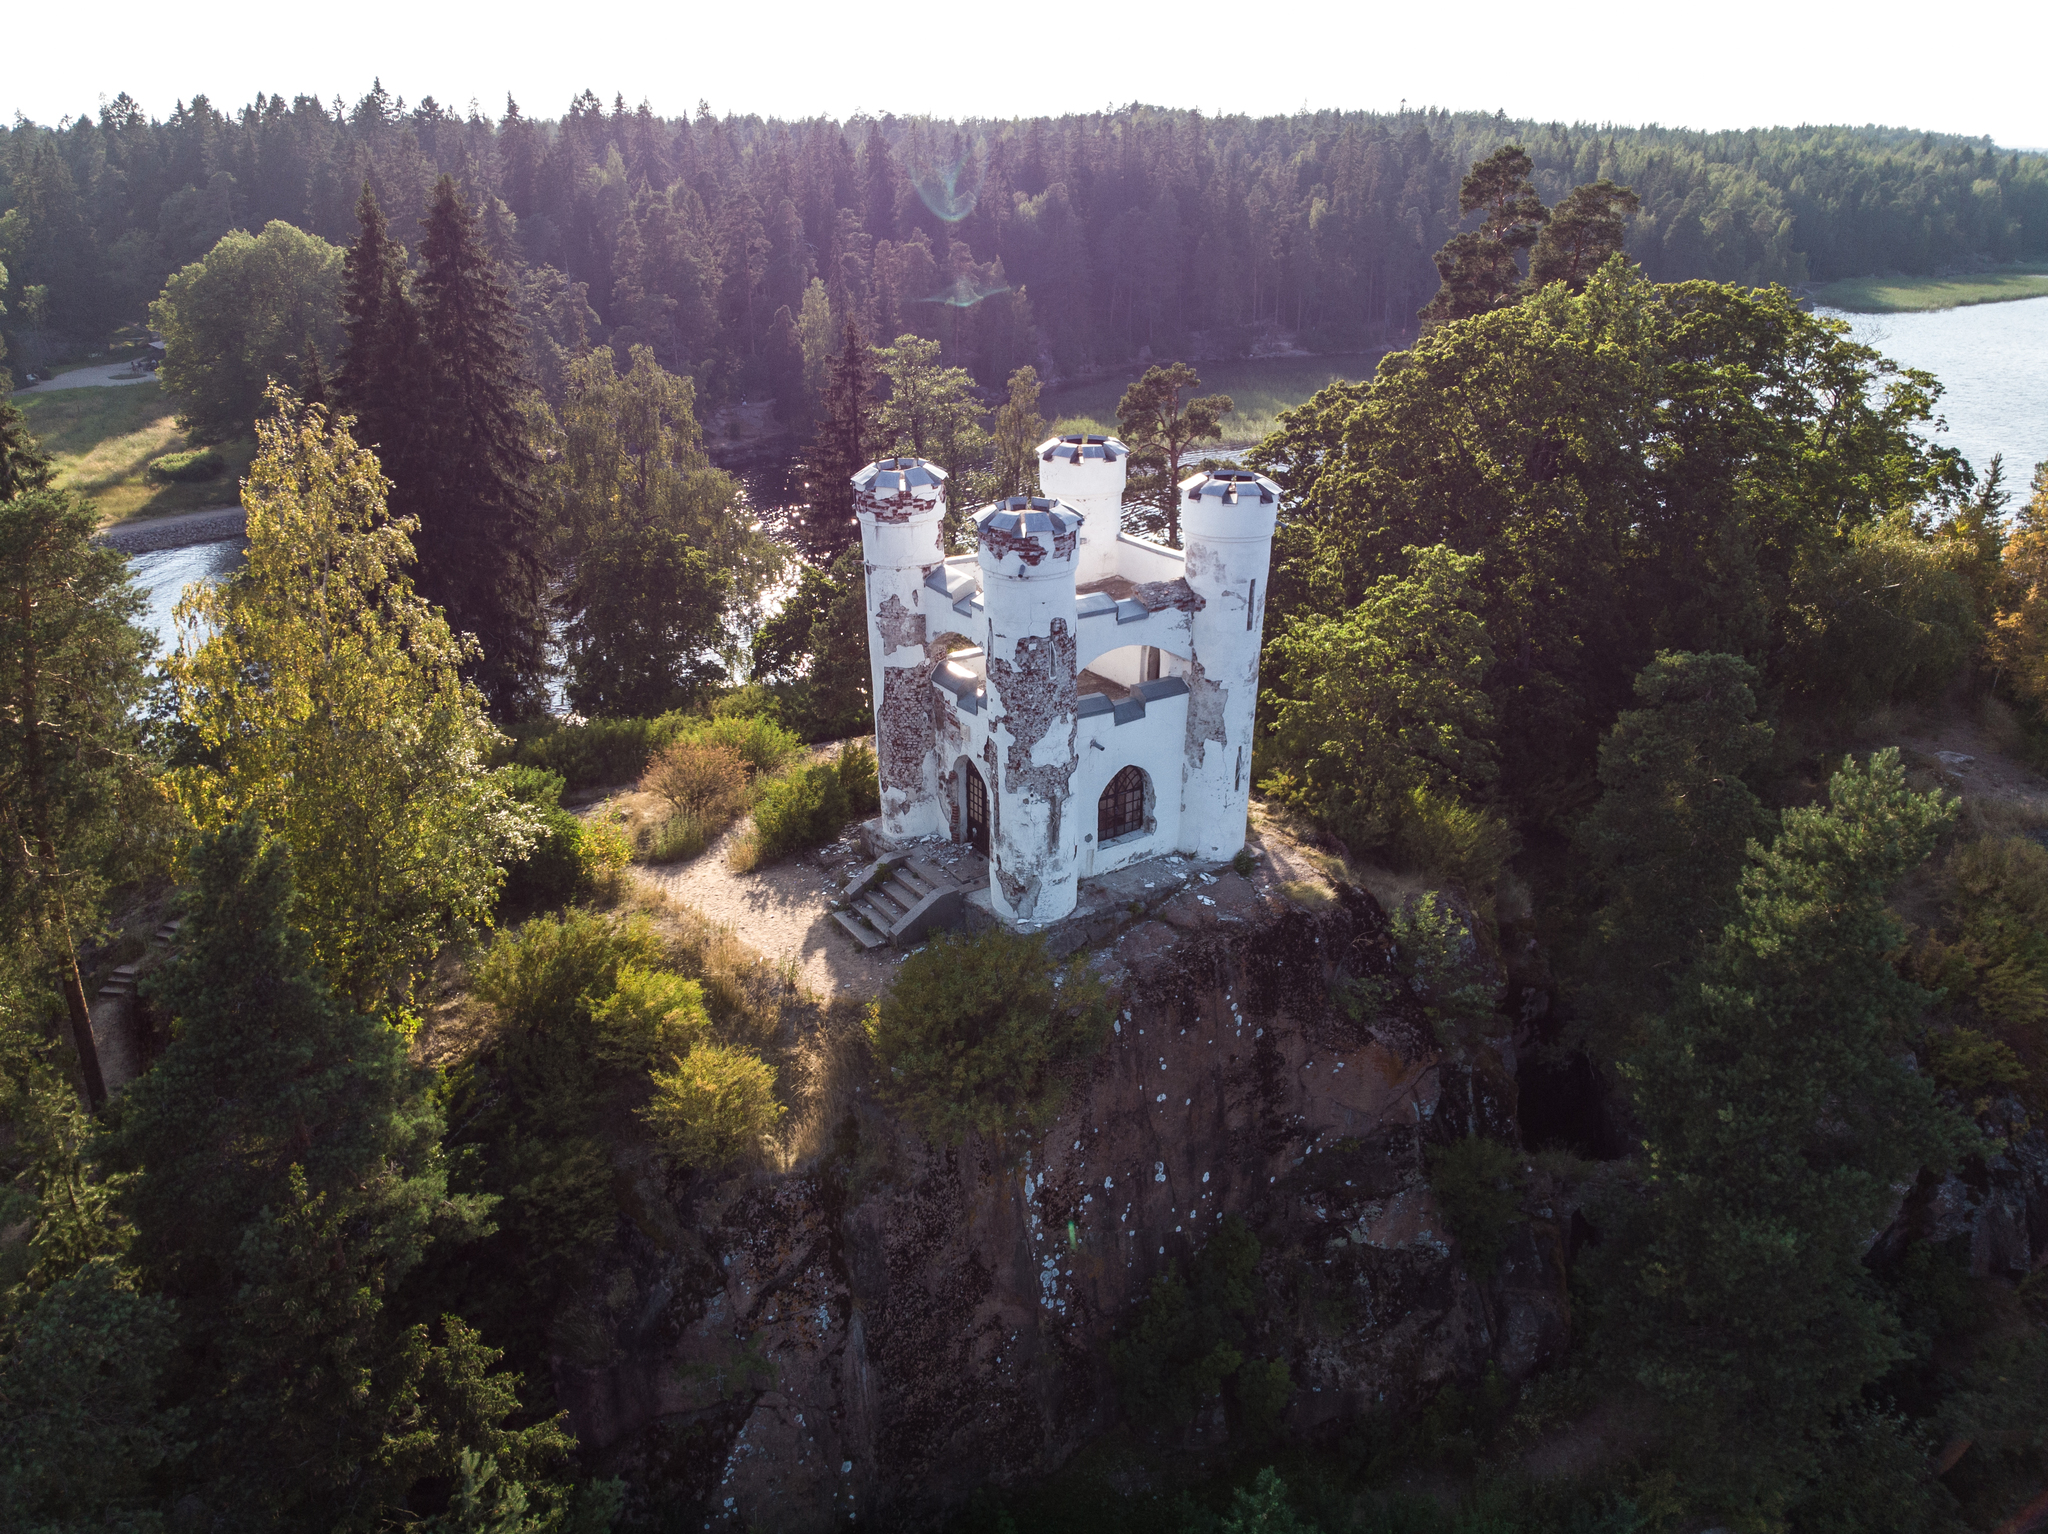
289	1175
1782	1114
846	437
382	379
481	539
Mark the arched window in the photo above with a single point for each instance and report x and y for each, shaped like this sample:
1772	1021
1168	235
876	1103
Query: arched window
1121	809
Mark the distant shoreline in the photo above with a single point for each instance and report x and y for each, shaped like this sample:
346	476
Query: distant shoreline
1922	295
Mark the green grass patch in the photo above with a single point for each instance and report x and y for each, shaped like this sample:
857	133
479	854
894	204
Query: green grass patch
106	439
1915	295
1261	387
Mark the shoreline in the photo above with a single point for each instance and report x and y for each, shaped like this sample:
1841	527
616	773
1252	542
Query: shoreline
1927	295
181	530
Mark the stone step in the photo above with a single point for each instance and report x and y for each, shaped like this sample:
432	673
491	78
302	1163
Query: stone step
862	933
882	918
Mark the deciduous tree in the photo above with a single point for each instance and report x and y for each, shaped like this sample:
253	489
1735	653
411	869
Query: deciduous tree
238	317
326	698
663	576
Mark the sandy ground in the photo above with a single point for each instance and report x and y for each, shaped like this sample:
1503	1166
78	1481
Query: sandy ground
781	911
91	378
1971	761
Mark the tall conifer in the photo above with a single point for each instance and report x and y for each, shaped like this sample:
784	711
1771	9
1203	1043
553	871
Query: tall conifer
480	540
846	436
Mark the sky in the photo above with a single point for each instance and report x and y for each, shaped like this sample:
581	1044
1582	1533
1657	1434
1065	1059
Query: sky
1736	64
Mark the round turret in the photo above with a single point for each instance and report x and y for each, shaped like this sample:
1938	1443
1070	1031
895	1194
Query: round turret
1088	473
1228	505
1029	537
901	506
1029	547
1226	521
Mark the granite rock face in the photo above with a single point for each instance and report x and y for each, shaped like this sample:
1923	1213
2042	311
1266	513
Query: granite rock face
876	1335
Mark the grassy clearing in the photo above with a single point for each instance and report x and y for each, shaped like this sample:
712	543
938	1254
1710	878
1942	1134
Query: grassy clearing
1261	386
1914	295
104	440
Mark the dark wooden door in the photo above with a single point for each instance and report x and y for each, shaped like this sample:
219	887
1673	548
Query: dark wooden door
977	810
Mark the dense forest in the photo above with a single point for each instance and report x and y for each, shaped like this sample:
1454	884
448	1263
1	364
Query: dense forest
1062	243
1647	796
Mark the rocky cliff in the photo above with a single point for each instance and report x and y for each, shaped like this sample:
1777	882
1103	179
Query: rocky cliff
875	1334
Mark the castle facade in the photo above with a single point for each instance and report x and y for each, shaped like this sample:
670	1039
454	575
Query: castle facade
1068	698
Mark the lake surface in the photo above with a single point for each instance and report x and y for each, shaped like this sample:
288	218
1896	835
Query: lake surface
1992	360
164	573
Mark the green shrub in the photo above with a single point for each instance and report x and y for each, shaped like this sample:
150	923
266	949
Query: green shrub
189	468
601	751
713	1105
748	702
680	836
804	808
546	975
602	853
860	777
1438	834
551	870
1477	1183
982	1034
651	1016
756	739
1187	1341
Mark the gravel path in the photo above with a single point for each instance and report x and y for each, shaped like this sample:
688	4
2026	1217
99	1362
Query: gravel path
91	378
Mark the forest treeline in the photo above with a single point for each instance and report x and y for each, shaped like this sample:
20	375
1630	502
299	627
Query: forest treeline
1056	242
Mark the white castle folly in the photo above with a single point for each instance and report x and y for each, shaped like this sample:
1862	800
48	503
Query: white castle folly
1068	698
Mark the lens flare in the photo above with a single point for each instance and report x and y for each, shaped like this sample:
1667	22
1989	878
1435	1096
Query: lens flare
963	292
950	191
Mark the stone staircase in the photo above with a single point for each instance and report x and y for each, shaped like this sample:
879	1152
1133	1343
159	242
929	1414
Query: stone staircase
898	900
113	1015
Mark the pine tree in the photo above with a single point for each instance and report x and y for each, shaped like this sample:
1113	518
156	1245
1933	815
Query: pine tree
72	785
1586	228
846	438
1478	266
1665	844
24	464
1159	429
481	537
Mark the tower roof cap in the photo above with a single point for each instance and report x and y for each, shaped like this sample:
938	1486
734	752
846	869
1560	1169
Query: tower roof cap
893	476
1076	447
1024	514
1230	487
